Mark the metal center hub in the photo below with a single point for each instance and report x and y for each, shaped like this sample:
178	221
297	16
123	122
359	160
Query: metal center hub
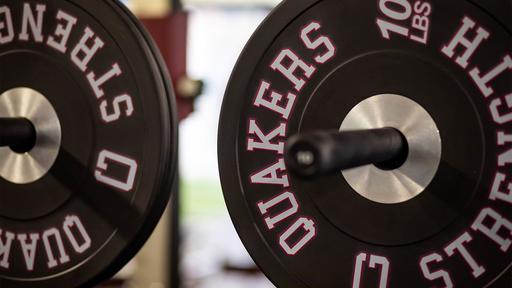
424	155
23	168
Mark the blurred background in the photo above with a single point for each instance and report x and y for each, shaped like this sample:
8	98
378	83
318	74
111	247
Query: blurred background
195	245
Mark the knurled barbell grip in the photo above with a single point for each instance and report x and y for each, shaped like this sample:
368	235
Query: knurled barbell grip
16	132
324	152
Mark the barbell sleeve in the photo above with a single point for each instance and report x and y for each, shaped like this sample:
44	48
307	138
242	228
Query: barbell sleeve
16	132
325	152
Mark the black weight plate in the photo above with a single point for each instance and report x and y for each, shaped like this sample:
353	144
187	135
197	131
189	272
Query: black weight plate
334	229
76	230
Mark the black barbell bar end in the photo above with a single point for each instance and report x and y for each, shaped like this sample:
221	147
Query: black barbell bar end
17	133
326	152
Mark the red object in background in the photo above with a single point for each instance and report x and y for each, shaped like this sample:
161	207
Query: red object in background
170	34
